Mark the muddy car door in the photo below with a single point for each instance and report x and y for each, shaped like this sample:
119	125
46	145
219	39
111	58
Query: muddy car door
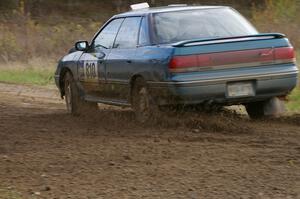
121	60
92	64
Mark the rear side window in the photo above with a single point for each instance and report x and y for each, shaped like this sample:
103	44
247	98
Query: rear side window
144	37
128	34
106	37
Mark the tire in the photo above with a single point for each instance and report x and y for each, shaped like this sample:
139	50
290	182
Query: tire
273	107
255	110
143	105
75	105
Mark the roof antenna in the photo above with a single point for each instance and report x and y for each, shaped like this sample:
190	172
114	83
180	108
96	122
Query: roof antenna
139	6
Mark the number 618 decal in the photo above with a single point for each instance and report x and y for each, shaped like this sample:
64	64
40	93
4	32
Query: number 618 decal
90	69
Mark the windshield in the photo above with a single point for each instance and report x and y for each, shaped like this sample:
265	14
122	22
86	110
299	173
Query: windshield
177	26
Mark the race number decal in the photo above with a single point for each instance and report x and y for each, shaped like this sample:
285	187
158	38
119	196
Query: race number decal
90	70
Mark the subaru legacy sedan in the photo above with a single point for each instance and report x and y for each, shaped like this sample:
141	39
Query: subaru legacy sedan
150	58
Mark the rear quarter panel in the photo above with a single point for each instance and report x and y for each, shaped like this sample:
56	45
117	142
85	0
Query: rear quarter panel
152	62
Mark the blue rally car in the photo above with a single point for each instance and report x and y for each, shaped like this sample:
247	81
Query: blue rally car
149	58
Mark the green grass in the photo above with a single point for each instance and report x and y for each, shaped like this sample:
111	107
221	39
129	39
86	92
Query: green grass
27	76
9	194
294	101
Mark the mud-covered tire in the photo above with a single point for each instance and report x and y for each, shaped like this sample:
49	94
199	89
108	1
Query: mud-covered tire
255	110
273	107
144	107
75	105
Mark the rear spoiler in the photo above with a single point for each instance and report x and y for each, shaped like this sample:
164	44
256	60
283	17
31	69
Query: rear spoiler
228	39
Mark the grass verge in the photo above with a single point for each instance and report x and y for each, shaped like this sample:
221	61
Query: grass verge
27	76
9	194
294	101
35	73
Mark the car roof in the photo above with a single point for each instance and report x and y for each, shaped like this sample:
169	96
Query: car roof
172	8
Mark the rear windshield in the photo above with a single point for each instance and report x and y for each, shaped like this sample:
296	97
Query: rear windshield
177	26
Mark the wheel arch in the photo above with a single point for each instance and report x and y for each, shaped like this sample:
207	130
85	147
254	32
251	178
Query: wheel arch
62	75
132	82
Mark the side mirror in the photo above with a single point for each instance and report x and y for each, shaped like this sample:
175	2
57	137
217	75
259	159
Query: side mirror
81	45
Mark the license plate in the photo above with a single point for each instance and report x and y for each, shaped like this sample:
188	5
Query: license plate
240	89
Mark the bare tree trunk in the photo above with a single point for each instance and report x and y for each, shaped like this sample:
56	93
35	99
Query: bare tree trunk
24	11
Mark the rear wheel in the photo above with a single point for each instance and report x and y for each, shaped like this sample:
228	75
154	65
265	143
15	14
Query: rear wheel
255	110
273	107
142	103
75	105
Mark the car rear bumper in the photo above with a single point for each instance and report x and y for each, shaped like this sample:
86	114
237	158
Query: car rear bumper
212	87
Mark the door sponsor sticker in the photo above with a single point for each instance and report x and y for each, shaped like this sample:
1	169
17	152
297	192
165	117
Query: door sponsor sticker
90	69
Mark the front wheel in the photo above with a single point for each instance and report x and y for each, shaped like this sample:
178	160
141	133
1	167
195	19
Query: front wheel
75	105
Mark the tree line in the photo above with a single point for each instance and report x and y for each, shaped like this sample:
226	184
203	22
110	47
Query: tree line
40	7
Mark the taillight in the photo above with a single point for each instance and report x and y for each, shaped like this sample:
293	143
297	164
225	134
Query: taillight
183	62
284	54
229	59
189	63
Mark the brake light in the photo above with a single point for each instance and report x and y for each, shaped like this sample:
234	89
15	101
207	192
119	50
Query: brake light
229	59
189	63
183	62
286	54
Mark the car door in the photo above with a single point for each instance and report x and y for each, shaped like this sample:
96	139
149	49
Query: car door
121	59
92	64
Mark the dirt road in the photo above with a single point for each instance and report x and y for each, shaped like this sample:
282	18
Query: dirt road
45	153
